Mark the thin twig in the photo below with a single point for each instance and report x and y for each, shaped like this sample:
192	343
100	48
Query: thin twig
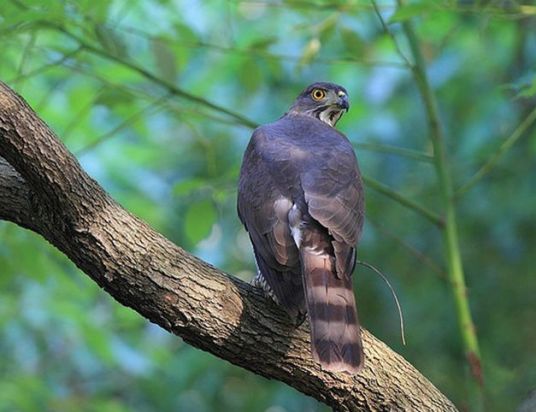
143	94
154	78
45	67
155	105
25	53
495	157
390	34
400	315
251	51
387	191
419	255
77	116
400	151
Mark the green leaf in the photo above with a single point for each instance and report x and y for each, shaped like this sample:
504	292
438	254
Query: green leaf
110	41
353	44
262	43
529	90
188	186
114	96
310	51
165	59
409	11
199	219
97	10
326	28
185	34
251	75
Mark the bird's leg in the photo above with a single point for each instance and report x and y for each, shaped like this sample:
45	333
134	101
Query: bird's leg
260	282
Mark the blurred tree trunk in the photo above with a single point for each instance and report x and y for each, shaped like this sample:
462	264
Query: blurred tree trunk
43	188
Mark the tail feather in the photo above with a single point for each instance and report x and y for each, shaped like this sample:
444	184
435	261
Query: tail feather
335	333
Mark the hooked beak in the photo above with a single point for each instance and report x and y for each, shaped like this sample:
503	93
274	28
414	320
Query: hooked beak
343	103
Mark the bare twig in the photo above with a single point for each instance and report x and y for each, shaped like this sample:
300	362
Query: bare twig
400	315
170	87
496	156
400	151
385	190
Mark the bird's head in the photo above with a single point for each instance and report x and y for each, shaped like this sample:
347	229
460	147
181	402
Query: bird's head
322	100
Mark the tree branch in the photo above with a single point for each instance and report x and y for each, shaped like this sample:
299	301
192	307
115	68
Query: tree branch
43	188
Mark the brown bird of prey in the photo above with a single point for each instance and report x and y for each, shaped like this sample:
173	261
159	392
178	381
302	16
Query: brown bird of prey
300	197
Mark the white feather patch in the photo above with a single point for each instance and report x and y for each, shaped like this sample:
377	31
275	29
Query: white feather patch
295	225
331	116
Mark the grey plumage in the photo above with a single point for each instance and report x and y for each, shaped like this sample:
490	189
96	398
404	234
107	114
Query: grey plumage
300	197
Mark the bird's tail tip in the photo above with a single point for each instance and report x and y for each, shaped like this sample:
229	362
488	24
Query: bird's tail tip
335	332
328	355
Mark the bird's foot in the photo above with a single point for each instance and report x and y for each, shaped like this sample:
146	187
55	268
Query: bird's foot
260	282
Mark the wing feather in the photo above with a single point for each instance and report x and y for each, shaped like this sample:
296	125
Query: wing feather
263	209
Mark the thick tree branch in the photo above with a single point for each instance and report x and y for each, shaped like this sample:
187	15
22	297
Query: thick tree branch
43	188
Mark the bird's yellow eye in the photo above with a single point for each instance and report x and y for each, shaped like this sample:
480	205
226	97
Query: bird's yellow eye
318	94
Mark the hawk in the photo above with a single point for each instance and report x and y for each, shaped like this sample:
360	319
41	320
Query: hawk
300	197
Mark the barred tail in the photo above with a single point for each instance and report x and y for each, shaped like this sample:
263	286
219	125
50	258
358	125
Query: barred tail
335	333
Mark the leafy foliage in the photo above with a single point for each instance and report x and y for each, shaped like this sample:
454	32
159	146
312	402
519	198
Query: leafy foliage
158	100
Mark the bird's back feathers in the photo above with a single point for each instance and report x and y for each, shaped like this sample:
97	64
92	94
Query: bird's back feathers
301	199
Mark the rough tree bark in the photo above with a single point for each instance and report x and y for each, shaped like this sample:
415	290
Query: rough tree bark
43	188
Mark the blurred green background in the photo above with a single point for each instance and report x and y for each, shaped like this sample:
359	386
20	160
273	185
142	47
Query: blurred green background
126	86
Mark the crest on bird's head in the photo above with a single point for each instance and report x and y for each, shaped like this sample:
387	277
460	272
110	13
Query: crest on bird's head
323	101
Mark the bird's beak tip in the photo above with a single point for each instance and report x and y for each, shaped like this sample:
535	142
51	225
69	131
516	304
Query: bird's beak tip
343	103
